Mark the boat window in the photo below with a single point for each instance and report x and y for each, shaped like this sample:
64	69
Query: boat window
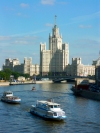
9	93
55	106
51	106
55	114
50	114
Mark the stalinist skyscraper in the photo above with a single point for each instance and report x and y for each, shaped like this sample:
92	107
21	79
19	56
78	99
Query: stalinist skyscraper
54	60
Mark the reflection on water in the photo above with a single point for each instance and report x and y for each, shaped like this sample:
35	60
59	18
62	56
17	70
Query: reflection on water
83	115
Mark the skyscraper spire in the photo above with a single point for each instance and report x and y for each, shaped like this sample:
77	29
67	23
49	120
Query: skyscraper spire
55	19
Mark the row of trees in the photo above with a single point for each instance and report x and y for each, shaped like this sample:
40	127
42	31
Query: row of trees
5	74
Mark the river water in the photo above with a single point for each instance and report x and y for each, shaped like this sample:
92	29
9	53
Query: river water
83	115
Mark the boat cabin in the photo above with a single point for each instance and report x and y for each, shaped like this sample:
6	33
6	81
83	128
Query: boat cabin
46	104
8	93
53	105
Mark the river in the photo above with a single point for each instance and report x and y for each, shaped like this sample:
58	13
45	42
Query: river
83	115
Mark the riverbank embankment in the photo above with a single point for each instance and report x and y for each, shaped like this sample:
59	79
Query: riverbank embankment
4	83
23	83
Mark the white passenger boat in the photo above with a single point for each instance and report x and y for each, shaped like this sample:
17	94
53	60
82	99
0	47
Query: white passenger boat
48	110
9	98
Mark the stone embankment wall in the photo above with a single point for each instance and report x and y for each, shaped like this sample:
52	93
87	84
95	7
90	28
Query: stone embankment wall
14	83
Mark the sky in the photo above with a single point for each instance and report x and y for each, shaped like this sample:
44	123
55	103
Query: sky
24	24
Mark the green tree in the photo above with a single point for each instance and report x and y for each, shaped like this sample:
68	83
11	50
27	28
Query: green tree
2	75
26	75
7	72
15	74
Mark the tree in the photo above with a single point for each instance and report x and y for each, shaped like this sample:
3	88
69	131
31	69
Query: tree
15	74
2	75
26	75
7	72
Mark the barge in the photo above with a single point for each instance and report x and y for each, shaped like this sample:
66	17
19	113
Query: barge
86	89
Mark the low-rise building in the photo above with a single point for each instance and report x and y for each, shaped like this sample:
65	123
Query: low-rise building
21	79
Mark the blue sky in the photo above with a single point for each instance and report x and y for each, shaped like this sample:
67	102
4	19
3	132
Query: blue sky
26	23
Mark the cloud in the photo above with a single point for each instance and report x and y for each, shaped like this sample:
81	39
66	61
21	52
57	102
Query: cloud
9	9
85	26
3	38
19	14
17	40
49	25
86	17
62	3
24	40
23	5
77	19
20	42
87	44
22	15
52	2
47	2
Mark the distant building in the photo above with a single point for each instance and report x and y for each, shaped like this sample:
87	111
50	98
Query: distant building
78	69
55	59
11	63
26	68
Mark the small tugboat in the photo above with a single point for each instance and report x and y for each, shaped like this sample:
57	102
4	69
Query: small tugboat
9	98
33	88
48	110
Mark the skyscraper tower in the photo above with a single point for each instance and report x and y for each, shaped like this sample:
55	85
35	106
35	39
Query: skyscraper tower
55	59
55	40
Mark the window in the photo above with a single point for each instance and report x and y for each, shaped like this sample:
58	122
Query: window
55	106
55	114
51	106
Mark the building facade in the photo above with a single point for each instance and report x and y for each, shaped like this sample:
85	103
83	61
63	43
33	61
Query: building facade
11	63
54	60
26	68
78	69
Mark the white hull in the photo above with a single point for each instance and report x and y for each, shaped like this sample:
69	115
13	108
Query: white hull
11	101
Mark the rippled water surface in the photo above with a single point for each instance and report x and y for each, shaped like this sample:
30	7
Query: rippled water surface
83	115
